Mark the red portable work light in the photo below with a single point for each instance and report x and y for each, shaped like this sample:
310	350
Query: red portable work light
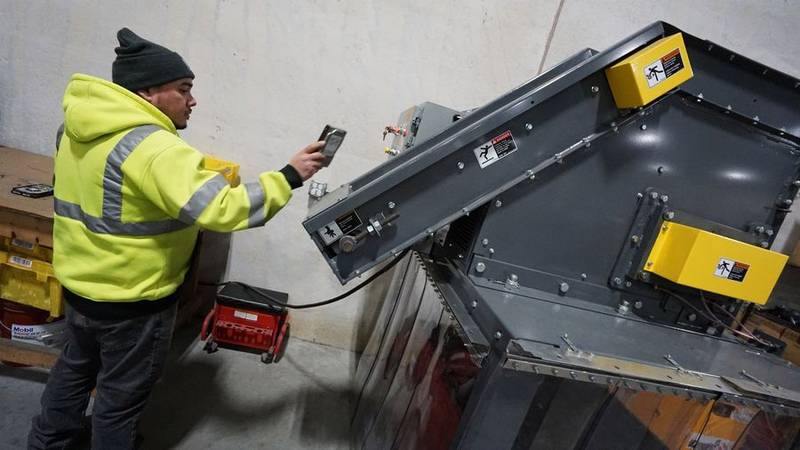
244	320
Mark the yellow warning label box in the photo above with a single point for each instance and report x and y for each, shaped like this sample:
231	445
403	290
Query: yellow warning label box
650	73
704	260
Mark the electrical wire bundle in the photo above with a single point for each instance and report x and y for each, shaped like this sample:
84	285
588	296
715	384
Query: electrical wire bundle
710	316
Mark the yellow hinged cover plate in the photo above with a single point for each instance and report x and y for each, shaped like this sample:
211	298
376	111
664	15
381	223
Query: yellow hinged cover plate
697	258
650	73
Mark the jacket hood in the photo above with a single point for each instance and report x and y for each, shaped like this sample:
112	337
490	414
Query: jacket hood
94	107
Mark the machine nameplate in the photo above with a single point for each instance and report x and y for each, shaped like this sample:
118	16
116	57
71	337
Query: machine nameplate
349	223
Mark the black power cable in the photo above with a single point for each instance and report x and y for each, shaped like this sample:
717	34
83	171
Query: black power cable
321	303
693	443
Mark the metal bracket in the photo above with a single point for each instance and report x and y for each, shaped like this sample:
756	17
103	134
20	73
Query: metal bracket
643	233
752	378
573	350
672	361
638	384
673	379
759	387
680	368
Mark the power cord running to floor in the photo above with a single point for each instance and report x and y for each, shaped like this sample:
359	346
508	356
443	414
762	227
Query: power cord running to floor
339	297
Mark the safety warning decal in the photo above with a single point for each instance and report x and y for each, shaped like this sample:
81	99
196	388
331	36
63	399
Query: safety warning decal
346	224
495	150
330	233
663	68
732	270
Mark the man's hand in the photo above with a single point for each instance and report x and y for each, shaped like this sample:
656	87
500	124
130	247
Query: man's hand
309	160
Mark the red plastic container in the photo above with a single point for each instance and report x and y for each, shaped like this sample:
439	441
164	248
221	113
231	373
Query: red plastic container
243	320
16	314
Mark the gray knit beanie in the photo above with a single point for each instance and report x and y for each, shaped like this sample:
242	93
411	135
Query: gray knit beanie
141	64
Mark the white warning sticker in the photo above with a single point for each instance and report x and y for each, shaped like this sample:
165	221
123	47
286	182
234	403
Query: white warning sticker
732	270
654	73
495	150
330	233
245	315
20	261
348	223
663	68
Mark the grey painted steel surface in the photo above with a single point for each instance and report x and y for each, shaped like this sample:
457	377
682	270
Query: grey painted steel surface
414	360
533	390
708	164
432	167
440	180
532	317
533	268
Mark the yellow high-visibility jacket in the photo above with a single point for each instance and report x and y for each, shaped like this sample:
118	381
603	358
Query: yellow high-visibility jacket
130	197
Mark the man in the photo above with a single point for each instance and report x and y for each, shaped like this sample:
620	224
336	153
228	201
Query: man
130	197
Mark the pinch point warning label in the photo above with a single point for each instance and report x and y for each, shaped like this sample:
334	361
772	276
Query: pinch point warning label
495	150
663	68
731	269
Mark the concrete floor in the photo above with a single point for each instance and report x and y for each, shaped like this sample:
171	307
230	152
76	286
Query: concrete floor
224	400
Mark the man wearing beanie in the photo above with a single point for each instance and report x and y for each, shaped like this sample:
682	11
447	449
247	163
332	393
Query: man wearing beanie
130	198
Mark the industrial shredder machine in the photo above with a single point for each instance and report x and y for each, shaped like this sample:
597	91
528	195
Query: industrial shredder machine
584	247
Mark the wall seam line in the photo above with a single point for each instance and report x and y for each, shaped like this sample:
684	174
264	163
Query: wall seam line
550	35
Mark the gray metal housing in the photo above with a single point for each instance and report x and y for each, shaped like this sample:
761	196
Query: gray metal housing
539	264
733	110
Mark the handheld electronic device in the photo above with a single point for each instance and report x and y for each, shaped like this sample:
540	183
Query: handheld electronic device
33	190
333	138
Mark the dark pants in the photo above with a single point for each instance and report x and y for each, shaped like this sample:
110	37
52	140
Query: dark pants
122	359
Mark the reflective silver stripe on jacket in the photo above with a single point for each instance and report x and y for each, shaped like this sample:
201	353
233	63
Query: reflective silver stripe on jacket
201	198
112	177
109	226
111	220
257	198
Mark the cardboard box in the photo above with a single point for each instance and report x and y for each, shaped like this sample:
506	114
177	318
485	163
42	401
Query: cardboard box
29	219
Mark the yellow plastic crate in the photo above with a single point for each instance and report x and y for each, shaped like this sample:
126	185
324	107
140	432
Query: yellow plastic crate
228	169
31	282
19	246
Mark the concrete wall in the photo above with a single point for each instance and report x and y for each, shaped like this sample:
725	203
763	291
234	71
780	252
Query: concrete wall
270	74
